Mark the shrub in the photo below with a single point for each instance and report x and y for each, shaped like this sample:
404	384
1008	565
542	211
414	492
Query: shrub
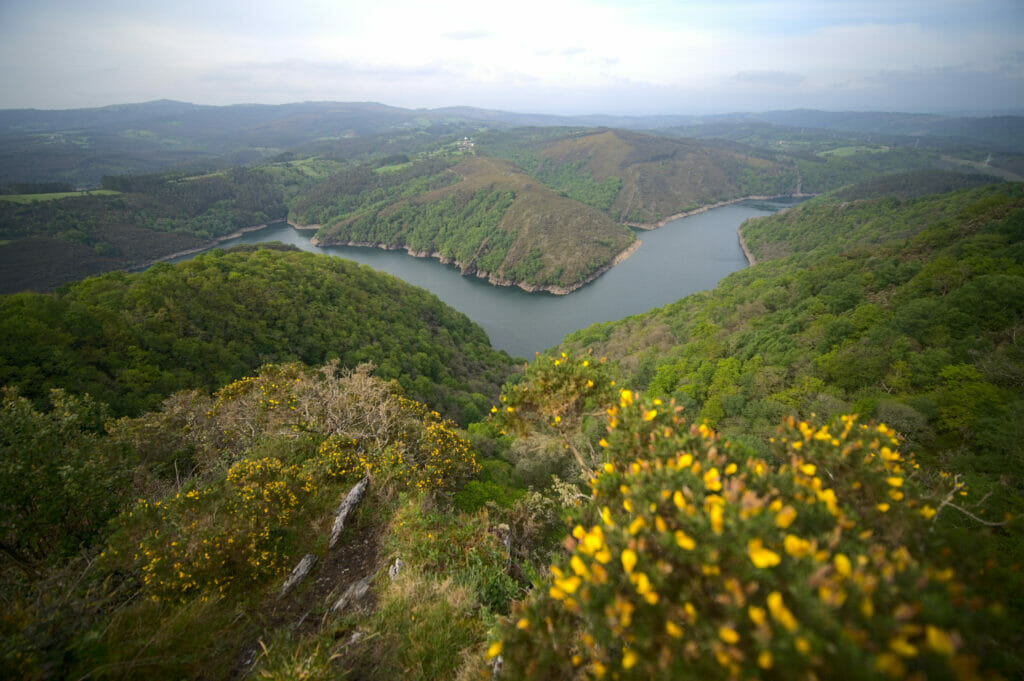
696	561
207	541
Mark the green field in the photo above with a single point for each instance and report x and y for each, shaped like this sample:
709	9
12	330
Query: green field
852	150
31	198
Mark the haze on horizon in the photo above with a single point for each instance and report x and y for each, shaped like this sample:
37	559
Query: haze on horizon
565	57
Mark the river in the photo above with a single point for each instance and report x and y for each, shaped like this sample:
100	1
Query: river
685	256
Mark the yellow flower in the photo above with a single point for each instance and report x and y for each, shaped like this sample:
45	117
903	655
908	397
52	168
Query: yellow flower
494	650
780	613
523	624
808	469
673	629
760	556
842	564
568	585
579	567
902	647
649	415
939	641
715	514
626	398
628	560
628	659
756	614
728	634
764	659
603	442
785	517
894	481
711	481
684	541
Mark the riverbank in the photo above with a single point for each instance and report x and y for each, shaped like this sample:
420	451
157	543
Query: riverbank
492	279
711	206
671	264
208	245
751	260
566	290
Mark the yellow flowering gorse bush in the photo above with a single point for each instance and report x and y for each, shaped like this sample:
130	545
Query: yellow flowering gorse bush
206	541
427	454
242	528
555	393
697	561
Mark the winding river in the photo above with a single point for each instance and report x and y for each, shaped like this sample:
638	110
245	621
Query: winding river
685	256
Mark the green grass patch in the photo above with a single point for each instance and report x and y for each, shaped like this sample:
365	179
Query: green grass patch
31	198
853	150
384	170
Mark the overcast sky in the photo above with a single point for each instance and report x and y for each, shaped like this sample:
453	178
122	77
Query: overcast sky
551	56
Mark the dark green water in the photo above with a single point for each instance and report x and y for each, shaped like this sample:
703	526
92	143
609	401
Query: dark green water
685	256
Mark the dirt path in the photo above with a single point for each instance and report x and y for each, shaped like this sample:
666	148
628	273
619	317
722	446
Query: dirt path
303	610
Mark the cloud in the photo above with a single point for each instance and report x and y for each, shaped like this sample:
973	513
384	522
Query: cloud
647	55
774	79
467	35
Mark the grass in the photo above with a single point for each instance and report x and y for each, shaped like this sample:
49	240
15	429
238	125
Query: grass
30	198
383	170
853	150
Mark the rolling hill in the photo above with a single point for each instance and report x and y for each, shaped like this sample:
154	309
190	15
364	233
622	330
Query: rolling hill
483	214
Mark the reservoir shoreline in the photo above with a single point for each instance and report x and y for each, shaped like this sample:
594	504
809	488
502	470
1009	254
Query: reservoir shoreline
205	247
469	271
691	255
711	206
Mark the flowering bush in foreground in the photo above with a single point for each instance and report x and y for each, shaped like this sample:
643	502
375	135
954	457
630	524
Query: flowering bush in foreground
696	560
555	394
427	455
207	540
322	431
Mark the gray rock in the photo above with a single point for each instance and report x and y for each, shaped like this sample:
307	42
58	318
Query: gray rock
355	593
299	573
395	569
347	504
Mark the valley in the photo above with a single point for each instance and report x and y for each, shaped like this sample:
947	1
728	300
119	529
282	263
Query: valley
704	470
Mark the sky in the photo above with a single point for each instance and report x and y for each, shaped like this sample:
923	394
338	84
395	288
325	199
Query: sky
544	56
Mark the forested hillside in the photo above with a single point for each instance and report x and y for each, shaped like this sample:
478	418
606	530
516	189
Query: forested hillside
53	239
902	310
130	340
642	178
540	208
813	468
485	215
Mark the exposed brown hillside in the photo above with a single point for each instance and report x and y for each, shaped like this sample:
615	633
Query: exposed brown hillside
664	176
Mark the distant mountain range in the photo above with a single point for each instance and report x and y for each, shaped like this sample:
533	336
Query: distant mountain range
82	145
